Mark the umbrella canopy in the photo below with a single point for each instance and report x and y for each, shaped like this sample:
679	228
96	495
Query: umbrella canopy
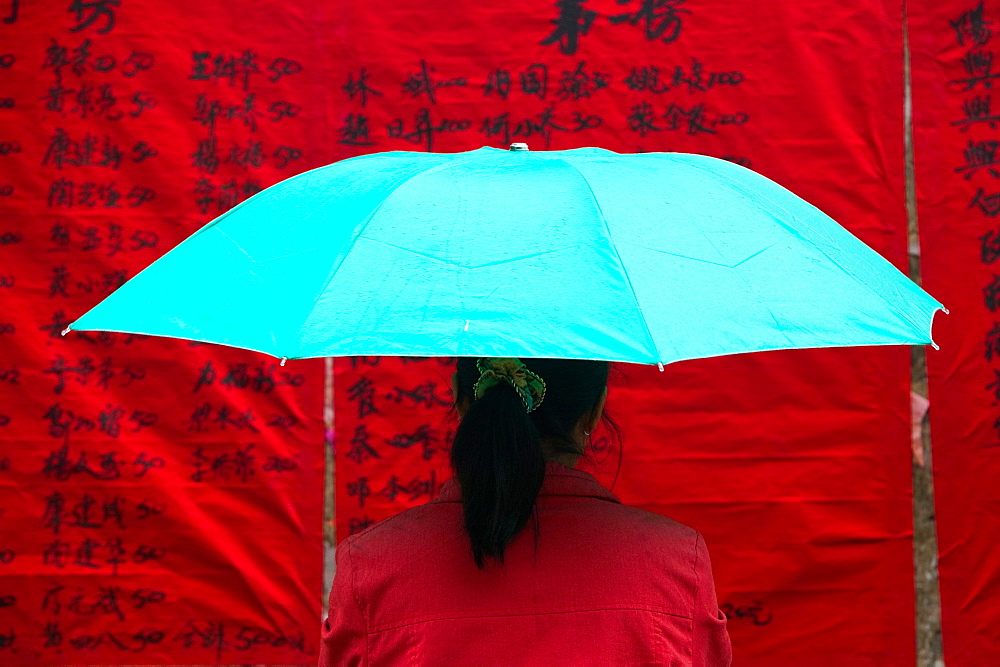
586	253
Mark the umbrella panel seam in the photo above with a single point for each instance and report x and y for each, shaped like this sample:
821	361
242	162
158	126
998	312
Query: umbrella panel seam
614	248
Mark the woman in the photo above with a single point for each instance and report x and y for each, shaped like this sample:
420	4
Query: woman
523	560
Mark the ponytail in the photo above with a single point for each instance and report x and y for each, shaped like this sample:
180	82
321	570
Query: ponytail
517	412
498	460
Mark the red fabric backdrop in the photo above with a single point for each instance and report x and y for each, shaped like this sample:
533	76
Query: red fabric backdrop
956	136
795	466
159	502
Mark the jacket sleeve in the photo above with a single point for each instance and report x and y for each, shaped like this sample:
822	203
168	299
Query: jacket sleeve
344	639
710	642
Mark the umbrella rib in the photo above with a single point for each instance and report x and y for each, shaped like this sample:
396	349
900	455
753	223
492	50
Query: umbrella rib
614	248
269	193
732	268
700	259
361	229
736	185
507	260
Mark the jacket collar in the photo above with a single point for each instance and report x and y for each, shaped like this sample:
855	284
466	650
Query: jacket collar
559	481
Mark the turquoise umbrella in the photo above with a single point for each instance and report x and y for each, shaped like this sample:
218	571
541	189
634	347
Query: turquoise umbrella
590	254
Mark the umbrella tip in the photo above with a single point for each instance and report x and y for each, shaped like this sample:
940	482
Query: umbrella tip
519	146
64	331
283	360
660	366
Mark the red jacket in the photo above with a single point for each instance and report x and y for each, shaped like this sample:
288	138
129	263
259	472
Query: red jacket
608	585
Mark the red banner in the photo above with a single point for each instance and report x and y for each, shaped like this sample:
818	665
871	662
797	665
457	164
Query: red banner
956	136
160	501
794	465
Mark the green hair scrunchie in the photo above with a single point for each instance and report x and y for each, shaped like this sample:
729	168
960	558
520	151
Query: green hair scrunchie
494	370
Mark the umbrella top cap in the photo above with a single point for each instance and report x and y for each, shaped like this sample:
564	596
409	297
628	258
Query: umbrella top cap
519	147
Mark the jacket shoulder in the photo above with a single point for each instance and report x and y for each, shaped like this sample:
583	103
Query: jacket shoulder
653	535
415	521
658	523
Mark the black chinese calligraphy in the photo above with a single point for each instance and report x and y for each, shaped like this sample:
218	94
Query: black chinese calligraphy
425	436
355	130
357	524
978	66
215	197
753	612
123	641
217	636
424	83
88	373
209	111
262	379
90	151
89	12
110	238
416	489
359	87
989	248
235	465
105	284
427	394
578	83
692	79
543	124
992	343
363	392
360	449
977	110
359	489
424	129
80	60
239	69
64	193
63	423
572	22
236	69
972	28
694	120
96	103
62	600
989	204
284	155
238	465
991	294
980	155
12	16
58	323
660	20
88	512
91	553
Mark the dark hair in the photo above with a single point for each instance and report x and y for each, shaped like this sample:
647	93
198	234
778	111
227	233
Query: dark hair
497	452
